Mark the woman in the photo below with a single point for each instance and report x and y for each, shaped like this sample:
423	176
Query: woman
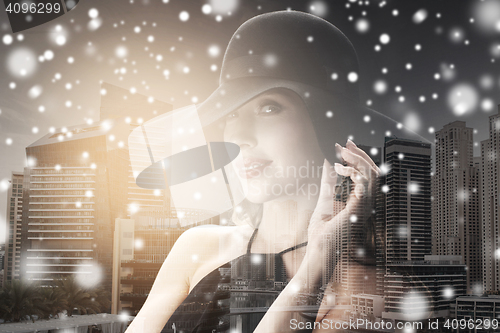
288	92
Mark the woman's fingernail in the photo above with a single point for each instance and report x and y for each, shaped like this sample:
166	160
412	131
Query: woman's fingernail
338	151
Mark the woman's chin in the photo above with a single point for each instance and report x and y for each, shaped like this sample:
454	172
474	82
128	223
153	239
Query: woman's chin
258	198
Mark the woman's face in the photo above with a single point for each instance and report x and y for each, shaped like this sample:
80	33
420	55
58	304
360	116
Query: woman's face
281	155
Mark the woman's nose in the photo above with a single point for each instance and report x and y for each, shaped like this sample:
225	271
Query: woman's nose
241	131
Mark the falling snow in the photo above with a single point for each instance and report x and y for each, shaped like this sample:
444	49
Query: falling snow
22	62
362	25
46	76
384	39
420	16
462	99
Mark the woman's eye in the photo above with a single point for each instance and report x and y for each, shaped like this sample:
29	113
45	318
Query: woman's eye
269	109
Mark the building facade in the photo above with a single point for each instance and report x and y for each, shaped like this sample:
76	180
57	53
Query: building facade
490	204
12	258
357	264
484	310
408	199
418	290
67	217
368	305
456	225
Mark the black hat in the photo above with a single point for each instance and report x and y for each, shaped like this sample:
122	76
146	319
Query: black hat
303	53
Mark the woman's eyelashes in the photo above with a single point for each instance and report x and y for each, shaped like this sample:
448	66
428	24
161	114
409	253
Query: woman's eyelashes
269	109
262	110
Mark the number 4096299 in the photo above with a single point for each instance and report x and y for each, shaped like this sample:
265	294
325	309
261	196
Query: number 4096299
33	8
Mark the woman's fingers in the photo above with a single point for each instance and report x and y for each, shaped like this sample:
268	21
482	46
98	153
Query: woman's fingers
362	172
326	198
361	169
359	179
348	171
355	149
359	162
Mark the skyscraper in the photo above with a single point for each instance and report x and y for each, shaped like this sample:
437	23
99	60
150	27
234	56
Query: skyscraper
357	270
408	199
455	206
77	185
490	164
67	221
12	259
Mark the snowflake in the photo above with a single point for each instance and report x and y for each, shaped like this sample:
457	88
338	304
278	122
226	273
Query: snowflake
420	16
384	38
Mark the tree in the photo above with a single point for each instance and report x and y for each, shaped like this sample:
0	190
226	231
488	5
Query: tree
103	298
77	298
19	301
53	302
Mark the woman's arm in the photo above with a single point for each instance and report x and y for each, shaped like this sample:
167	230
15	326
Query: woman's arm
195	254
170	288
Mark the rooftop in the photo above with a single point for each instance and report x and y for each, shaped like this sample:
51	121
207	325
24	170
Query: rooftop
103	319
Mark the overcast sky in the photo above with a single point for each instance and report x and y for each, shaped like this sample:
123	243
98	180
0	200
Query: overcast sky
423	63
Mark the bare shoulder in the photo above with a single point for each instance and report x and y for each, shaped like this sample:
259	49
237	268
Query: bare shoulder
211	239
196	247
206	248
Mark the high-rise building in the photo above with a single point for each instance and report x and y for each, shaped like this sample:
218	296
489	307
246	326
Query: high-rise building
408	199
67	221
2	258
357	258
12	258
490	204
77	184
456	226
380	232
123	250
402	214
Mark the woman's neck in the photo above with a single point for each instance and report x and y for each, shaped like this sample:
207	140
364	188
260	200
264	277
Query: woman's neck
284	224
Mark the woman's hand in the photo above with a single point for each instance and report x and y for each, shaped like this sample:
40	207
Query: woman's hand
330	215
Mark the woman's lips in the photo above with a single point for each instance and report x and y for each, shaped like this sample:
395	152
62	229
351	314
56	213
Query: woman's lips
252	167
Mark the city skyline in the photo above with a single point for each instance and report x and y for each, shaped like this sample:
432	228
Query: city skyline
408	240
78	127
407	74
107	146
